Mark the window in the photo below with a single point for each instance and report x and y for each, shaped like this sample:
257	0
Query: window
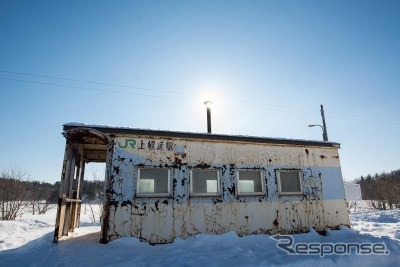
204	182
153	182
250	183
290	182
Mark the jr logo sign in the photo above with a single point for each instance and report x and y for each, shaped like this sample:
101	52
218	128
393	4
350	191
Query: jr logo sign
128	142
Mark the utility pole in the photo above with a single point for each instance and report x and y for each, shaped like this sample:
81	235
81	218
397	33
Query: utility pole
324	132
323	126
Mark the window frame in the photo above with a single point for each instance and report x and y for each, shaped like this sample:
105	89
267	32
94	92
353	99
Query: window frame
141	194
219	184
300	176
261	172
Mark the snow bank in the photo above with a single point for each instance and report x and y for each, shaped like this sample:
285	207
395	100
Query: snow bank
28	242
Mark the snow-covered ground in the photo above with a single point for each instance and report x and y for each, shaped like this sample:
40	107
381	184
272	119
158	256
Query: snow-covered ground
28	242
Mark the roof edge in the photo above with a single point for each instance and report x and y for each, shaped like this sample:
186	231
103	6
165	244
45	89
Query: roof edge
206	136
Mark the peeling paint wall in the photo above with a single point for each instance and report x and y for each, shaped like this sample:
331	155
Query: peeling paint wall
161	219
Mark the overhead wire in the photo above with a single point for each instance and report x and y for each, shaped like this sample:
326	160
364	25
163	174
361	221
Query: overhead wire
88	88
157	96
97	83
243	103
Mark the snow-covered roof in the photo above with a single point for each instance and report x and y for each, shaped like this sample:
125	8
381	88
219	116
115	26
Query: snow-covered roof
118	131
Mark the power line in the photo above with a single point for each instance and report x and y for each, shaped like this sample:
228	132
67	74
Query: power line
147	89
149	95
89	88
227	101
359	117
97	83
270	109
369	119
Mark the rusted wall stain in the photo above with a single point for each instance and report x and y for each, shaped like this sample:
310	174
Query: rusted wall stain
161	219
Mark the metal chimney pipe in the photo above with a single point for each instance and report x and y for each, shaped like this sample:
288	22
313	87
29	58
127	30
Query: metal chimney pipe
208	105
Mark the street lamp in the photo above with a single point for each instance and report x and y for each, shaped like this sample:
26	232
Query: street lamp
208	106
323	126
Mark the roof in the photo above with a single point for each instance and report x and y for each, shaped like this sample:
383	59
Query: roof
121	131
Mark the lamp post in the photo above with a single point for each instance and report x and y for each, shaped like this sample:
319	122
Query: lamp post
208	106
323	126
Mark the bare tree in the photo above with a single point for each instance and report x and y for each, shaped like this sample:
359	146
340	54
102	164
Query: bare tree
94	196
13	193
382	190
40	197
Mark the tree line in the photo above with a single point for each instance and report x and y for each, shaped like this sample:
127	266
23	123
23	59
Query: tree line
18	194
382	190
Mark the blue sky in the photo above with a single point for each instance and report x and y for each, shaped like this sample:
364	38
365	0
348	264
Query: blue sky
266	65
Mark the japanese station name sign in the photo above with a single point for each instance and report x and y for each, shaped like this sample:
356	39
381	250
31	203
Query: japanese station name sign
143	144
